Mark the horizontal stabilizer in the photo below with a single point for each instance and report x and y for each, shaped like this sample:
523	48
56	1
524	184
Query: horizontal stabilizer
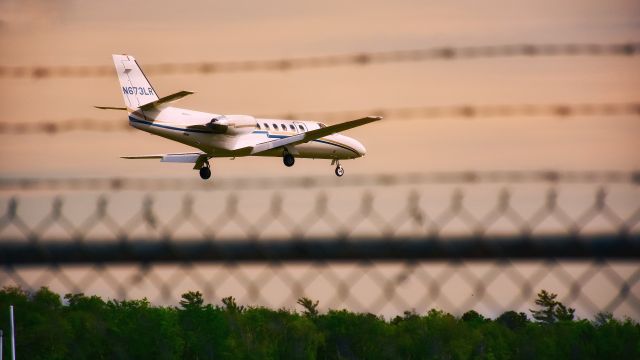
167	99
110	108
190	157
159	156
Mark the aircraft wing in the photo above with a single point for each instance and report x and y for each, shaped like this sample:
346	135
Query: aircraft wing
312	135
190	157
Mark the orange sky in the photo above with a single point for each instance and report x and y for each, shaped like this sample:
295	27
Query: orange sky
38	32
75	32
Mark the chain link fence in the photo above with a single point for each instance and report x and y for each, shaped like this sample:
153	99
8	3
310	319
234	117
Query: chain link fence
381	244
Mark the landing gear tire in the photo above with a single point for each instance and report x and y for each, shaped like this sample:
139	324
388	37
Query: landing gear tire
205	172
288	160
339	171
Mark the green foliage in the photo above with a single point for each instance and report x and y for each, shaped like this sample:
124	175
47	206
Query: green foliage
192	300
353	335
473	317
87	327
310	307
261	333
513	320
231	306
551	310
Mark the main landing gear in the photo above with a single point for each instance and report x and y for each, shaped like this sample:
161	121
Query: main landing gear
205	171
288	159
339	169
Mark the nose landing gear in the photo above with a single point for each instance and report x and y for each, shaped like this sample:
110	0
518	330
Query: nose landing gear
339	169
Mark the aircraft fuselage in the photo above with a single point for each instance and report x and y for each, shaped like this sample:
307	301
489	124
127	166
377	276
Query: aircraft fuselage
184	126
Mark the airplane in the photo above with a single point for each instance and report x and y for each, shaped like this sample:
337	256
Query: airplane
228	136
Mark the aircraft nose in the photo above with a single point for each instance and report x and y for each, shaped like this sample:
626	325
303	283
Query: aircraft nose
359	148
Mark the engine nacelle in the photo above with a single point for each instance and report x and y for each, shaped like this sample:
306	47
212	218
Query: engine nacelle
232	124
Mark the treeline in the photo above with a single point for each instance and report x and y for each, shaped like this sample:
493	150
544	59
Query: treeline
87	327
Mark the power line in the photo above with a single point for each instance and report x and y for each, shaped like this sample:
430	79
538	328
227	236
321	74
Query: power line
353	59
425	112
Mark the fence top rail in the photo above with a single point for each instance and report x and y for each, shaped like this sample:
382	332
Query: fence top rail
568	247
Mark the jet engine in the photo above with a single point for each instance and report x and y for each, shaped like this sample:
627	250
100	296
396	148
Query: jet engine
232	124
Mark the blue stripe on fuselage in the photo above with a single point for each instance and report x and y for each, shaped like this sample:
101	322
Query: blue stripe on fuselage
132	119
317	140
271	136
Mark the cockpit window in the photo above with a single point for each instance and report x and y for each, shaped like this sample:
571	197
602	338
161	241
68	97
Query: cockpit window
321	125
284	127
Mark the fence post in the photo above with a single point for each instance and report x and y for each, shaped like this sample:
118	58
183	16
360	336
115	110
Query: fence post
13	335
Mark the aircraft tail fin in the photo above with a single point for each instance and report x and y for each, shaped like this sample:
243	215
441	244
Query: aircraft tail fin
135	87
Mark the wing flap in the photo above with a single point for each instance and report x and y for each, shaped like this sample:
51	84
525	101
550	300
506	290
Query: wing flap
277	143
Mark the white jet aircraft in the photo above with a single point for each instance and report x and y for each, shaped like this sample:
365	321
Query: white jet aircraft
228	135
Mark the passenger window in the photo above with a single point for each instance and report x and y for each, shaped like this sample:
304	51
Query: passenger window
258	125
284	127
321	125
275	127
301	128
266	126
293	128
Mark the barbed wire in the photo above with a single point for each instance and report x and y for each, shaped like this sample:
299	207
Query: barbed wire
307	182
625	49
393	114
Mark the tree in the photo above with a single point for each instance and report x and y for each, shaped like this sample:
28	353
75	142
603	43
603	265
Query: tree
231	306
86	327
137	330
192	300
47	299
547	302
513	320
85	316
42	327
310	307
551	310
563	313
603	318
473	317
